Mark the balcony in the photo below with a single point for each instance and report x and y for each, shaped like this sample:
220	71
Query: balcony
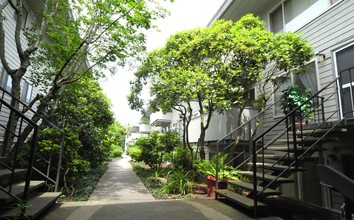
144	129
160	119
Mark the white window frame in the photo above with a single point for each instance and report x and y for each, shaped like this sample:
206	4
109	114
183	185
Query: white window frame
27	92
337	74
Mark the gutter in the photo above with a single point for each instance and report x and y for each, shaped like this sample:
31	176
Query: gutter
221	11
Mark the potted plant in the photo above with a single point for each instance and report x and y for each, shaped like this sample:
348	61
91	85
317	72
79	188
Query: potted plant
208	167
292	98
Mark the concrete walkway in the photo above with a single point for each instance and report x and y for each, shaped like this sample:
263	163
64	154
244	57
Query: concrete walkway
121	195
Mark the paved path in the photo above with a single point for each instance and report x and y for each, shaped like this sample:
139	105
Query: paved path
120	183
121	195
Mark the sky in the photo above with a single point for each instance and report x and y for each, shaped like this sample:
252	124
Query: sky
185	14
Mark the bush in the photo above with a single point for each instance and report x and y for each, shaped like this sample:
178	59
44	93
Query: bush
135	153
178	157
116	151
178	182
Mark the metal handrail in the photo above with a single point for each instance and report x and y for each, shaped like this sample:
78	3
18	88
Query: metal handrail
285	120
27	108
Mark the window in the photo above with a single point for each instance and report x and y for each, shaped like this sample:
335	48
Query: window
276	20
290	15
27	92
293	8
6	81
308	80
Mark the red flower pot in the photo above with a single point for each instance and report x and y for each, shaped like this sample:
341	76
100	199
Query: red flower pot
222	184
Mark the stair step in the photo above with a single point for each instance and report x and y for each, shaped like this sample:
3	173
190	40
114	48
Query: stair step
35	206
5	175
275	167
317	132
18	188
267	177
271	156
249	186
291	148
238	199
309	139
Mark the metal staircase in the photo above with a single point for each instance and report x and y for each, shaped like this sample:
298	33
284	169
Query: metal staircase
272	154
23	185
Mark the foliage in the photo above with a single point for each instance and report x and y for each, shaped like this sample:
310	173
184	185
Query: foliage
155	146
87	183
87	129
72	39
215	66
116	151
208	167
293	97
178	157
178	182
145	175
134	151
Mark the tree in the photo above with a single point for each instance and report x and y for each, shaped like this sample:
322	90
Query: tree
155	146
213	65
73	39
87	129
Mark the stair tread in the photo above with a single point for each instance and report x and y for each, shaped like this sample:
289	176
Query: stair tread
275	167
249	186
18	188
291	148
8	172
35	206
267	177
239	199
273	156
306	139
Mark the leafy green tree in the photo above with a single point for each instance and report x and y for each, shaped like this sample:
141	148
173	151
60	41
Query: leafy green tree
155	146
87	129
215	66
71	35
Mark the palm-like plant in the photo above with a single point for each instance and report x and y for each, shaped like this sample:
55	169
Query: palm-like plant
208	167
179	182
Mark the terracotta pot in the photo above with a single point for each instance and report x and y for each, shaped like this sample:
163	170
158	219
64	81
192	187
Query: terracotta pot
222	184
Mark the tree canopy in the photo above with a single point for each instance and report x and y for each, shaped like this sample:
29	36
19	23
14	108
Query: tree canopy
215	66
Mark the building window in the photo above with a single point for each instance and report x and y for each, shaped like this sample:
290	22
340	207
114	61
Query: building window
27	92
6	81
308	80
276	20
293	8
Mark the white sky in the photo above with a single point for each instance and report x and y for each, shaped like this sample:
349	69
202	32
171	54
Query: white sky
185	14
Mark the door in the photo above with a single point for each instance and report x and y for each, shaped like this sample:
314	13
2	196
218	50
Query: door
345	68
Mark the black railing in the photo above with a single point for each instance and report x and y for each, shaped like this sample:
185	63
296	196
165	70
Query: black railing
324	115
15	150
25	111
294	133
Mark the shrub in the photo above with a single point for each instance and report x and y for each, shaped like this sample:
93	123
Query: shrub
178	182
135	153
116	151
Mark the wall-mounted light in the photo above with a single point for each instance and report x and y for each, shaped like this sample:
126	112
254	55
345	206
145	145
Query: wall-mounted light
321	57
